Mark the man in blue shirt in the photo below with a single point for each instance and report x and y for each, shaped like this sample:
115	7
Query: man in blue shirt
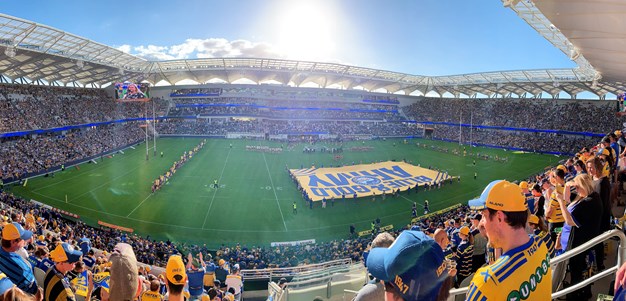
14	237
195	275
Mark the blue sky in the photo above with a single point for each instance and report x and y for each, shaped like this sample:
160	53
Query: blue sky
425	37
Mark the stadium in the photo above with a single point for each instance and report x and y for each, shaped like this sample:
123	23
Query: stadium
288	170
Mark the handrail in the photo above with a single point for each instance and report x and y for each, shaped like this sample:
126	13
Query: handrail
295	271
621	257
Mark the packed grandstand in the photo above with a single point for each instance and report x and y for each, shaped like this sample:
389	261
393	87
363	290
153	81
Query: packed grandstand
45	129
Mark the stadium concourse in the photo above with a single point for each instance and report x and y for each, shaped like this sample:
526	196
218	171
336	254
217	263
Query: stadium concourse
111	125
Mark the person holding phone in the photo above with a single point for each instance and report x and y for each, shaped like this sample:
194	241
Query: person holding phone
582	223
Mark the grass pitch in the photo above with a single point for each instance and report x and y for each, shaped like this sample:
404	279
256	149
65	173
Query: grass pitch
253	204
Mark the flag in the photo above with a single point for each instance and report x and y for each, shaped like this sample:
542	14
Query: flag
25	183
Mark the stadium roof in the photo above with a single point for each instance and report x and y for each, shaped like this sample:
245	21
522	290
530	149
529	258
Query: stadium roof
35	53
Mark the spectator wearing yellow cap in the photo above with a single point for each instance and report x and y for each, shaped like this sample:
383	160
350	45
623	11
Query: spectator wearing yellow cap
608	154
221	272
524	258
175	278
530	199
56	286
464	253
17	268
541	230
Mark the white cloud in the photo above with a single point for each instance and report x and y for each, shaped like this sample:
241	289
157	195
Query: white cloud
124	48
153	52
205	48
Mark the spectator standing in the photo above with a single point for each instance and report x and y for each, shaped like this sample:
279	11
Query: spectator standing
582	217
602	186
412	268
554	215
235	281
153	293
539	228
524	258
221	272
374	289
540	202
530	199
195	274
464	253
176	277
480	243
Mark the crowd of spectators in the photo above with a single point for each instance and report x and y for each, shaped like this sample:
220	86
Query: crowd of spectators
284	109
21	156
24	107
568	115
222	126
539	142
65	106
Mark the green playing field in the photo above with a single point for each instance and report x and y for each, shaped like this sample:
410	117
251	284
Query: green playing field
253	203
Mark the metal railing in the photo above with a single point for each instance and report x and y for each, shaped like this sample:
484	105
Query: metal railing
305	271
621	257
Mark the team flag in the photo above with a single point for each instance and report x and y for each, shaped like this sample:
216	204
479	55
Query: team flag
362	180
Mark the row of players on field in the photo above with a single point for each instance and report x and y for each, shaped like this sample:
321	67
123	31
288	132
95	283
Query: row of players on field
162	179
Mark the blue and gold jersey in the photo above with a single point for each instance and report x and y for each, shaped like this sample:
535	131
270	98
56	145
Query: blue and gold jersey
530	202
547	239
464	254
557	215
522	273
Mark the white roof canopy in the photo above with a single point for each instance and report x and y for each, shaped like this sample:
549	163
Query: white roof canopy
35	53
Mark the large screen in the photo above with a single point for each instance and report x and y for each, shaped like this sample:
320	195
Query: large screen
128	91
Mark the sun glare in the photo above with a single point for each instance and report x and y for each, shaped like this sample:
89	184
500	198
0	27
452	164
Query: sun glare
305	31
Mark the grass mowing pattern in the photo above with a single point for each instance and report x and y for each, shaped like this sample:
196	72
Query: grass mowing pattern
254	202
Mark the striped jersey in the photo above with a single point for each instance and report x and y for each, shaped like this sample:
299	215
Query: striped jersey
557	215
56	287
18	270
464	253
547	239
522	273
530	202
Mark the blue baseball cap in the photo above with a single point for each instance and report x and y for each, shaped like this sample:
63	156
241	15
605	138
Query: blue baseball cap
414	265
